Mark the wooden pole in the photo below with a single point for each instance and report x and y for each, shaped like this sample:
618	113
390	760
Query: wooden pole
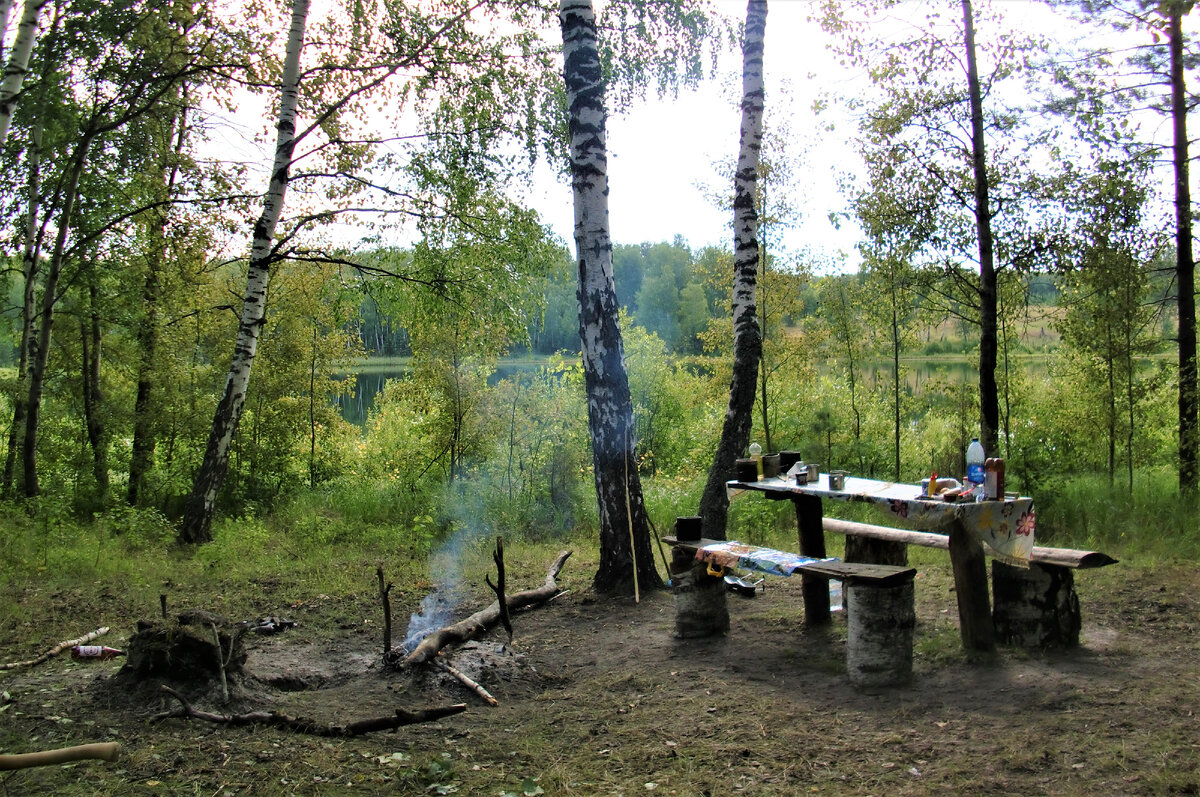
387	610
971	587
104	751
812	543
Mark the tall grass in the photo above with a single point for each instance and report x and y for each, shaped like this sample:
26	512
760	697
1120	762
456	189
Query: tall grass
1154	521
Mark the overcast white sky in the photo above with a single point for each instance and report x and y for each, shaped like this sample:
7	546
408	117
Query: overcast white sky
663	152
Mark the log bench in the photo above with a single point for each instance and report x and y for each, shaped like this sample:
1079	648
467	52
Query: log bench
1034	607
880	616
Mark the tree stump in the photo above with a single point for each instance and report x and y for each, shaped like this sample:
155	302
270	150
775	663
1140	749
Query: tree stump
879	633
700	608
1035	607
868	550
184	650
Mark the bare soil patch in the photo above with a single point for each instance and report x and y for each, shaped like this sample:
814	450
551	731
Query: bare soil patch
598	698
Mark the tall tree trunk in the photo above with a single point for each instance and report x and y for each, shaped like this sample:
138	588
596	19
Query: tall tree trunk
142	447
1185	267
40	354
989	403
90	333
747	339
18	62
624	538
31	254
198	513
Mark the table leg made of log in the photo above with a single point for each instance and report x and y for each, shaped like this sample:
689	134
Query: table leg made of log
971	587
815	589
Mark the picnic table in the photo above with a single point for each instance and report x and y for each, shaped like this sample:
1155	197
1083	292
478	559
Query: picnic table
1005	529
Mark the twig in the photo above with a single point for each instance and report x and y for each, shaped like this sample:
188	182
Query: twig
221	660
470	683
54	651
302	725
385	599
637	598
498	588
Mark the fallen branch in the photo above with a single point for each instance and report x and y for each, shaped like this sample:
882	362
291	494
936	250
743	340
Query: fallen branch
470	683
54	651
105	751
303	725
481	621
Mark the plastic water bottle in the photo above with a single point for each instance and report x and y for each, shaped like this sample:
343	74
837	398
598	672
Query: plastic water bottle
975	458
835	595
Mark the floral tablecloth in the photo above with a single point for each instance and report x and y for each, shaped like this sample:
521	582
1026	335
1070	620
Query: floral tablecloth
751	557
1006	527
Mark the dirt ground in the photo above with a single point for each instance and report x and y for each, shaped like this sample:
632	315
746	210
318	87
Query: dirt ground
596	697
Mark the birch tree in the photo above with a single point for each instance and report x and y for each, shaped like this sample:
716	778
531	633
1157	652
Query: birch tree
626	561
18	60
747	347
197	519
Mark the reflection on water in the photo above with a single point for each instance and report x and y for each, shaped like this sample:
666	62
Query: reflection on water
369	382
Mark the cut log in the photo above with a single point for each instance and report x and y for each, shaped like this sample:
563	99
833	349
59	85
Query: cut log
303	725
104	751
1035	607
879	633
477	624
701	609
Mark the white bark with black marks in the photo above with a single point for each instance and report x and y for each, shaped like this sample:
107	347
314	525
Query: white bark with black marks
747	336
610	409
18	62
197	521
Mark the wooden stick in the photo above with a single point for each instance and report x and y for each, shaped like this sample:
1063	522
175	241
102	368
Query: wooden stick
221	661
498	588
105	751
470	683
387	610
54	651
484	619
637	598
307	726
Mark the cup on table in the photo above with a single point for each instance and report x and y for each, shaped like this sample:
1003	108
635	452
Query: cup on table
837	480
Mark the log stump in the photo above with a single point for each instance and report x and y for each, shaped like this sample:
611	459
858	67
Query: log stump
700	607
184	649
868	550
879	633
1035	607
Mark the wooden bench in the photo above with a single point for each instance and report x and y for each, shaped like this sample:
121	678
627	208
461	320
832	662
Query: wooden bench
880	615
1035	607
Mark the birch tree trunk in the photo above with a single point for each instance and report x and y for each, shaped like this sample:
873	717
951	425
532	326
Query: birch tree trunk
989	403
31	251
624	540
1185	266
747	338
197	518
18	62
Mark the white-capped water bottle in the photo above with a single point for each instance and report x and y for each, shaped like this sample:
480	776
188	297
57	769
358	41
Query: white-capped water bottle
975	458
